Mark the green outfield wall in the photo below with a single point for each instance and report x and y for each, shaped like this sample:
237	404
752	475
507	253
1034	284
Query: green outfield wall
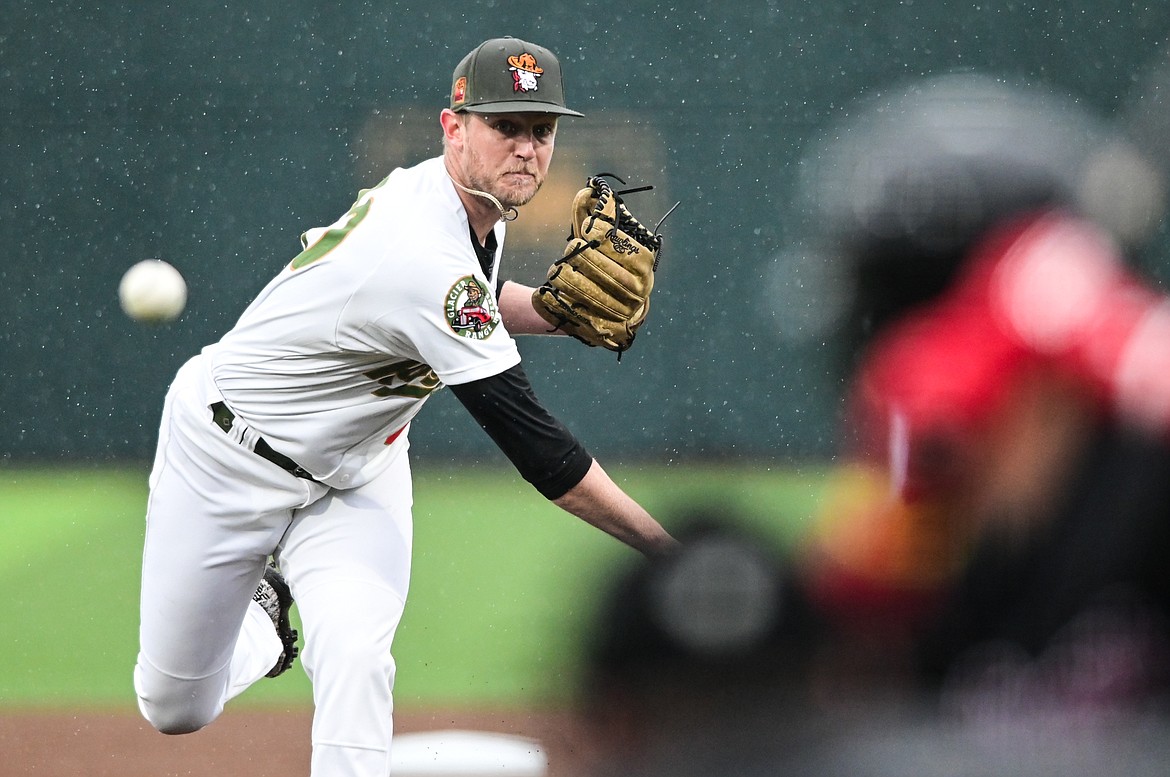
211	134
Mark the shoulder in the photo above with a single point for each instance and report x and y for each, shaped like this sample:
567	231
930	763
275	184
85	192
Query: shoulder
424	184
419	201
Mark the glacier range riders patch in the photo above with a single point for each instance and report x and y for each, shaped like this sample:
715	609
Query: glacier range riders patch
471	311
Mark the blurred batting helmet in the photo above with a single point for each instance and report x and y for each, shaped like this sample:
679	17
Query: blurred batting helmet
902	189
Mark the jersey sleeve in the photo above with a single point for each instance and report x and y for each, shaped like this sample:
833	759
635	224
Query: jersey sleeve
542	449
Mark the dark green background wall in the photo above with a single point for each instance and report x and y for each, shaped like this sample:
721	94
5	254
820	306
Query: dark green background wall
212	133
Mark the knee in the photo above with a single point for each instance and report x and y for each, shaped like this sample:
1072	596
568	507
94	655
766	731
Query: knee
175	721
175	706
175	713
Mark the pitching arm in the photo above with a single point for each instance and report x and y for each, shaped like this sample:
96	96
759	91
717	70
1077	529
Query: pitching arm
601	503
548	456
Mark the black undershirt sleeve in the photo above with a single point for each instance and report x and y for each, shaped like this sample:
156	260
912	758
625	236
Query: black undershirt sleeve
542	449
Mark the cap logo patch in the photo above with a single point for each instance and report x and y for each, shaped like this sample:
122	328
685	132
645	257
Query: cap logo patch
459	91
471	311
525	72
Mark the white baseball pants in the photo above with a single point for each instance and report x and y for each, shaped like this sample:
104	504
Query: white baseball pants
216	512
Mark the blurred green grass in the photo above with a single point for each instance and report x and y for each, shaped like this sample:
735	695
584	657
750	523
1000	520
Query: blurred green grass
500	598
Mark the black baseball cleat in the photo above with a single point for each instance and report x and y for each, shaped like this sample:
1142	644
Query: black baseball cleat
274	596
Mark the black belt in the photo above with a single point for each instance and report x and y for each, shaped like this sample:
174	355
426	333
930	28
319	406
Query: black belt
224	418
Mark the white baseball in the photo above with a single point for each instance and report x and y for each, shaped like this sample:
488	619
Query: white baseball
152	291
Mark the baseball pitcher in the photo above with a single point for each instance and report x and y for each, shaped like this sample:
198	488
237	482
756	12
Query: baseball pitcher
287	439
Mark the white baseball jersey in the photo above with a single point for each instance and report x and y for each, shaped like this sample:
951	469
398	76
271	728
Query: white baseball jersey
341	349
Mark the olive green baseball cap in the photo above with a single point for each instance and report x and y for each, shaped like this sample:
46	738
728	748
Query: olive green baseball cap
508	75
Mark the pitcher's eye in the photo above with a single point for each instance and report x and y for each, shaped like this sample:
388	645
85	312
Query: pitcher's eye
506	127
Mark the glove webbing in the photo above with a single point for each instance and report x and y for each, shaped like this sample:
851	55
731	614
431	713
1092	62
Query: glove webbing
624	220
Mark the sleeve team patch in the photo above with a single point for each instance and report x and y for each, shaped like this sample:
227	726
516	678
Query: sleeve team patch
470	309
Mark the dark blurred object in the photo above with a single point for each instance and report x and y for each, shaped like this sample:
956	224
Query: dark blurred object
1078	608
718	615
695	658
713	664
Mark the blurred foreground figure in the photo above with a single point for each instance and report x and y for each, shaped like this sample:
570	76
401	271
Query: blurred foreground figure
1005	518
714	663
988	592
700	664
